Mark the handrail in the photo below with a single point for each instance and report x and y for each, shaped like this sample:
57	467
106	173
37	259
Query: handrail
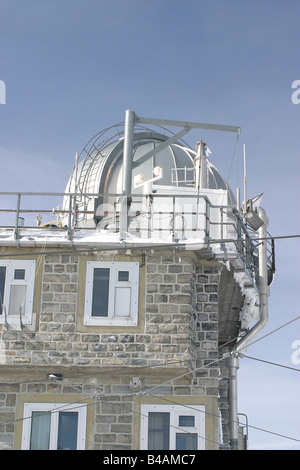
228	219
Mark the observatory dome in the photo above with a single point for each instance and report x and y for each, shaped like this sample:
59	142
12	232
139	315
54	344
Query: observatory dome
99	168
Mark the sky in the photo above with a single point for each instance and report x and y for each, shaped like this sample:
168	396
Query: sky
70	68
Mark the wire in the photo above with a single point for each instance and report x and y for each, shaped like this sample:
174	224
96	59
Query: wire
101	398
272	363
183	375
271	332
94	374
216	416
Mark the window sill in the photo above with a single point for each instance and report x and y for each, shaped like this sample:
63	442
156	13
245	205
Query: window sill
14	322
110	322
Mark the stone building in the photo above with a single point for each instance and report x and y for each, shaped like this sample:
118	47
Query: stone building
122	317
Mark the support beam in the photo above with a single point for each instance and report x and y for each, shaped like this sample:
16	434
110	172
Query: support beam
130	120
160	147
191	125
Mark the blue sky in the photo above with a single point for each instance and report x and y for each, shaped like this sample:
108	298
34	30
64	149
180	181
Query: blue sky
72	68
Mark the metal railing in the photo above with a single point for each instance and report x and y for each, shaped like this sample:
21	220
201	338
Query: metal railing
179	216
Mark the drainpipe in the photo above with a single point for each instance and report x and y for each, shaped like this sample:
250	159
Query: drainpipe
233	366
263	289
127	170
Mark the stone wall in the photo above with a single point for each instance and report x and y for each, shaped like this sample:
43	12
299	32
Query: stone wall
178	327
179	318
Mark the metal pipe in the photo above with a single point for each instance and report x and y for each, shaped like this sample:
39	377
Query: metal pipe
128	151
245	183
127	169
203	168
263	289
192	125
233	408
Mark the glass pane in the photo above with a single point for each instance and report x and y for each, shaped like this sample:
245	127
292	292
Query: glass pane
122	301
123	276
19	274
67	430
100	292
17	300
2	284
187	421
158	431
40	430
186	441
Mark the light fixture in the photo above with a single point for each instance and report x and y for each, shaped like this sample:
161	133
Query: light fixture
54	376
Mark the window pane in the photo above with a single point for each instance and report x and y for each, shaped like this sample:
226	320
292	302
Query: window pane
2	284
123	276
19	274
40	430
158	431
67	430
122	301
186	441
100	292
17	300
187	421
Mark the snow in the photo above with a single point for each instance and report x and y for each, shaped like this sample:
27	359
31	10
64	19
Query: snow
102	239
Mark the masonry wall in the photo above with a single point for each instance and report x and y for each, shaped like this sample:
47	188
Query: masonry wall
177	333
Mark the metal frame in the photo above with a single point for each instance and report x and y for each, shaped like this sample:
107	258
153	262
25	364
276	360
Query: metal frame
130	120
245	244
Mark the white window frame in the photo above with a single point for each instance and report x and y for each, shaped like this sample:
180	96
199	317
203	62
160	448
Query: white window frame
198	411
131	318
26	315
54	408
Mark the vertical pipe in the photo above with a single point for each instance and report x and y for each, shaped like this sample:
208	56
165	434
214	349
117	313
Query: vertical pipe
197	163
128	151
248	337
75	216
127	170
70	230
233	408
245	182
238	203
203	167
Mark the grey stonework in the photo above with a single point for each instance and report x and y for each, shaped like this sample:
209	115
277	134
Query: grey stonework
180	319
178	327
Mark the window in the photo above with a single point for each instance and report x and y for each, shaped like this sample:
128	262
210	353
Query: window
168	427
111	293
54	426
16	290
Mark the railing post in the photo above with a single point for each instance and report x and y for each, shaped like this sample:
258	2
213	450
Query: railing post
16	233
207	215
173	220
70	231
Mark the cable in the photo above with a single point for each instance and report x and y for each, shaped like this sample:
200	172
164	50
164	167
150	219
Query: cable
271	332
216	416
93	374
164	399
259	339
187	373
272	363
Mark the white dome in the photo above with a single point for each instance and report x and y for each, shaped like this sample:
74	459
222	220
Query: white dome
99	170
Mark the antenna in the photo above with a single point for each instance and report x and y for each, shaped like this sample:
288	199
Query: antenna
245	182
